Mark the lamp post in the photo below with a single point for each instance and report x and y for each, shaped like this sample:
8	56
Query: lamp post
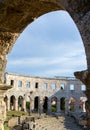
30	103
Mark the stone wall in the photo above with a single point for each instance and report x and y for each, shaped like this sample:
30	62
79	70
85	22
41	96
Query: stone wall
16	15
52	90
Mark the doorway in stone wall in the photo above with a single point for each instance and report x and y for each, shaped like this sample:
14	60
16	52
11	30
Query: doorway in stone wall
62	104
72	104
54	104
12	102
45	104
36	104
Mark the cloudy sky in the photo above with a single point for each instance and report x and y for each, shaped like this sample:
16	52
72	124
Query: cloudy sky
50	46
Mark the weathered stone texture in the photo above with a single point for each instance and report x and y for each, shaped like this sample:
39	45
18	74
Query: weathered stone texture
41	92
16	15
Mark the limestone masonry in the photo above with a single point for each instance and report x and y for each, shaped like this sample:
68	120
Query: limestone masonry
63	93
16	15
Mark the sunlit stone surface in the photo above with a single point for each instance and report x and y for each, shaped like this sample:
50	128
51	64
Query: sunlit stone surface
16	15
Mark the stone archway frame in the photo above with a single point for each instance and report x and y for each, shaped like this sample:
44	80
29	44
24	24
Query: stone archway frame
16	15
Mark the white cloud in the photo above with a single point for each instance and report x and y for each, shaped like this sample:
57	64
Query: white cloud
51	46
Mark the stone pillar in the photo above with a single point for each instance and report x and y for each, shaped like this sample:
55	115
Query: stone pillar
58	105
66	105
84	76
2	110
32	105
3	62
16	104
8	105
40	106
31	101
77	105
24	104
3	89
84	110
49	106
87	106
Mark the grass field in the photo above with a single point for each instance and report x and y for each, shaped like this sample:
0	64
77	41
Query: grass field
6	128
10	114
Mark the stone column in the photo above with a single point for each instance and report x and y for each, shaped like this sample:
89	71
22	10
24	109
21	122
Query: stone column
2	110
32	105
87	106
49	106
8	104
77	105
84	110
66	105
16	104
24	104
3	61
58	105
40	106
3	89
84	76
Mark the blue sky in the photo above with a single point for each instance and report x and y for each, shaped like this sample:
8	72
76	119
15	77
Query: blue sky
50	46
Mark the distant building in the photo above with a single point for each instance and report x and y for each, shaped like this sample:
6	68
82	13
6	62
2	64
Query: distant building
59	94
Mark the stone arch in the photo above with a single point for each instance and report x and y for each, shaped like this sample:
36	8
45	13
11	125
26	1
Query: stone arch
15	16
15	12
12	102
72	104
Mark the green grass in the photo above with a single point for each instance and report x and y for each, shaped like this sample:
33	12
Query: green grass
53	108
6	128
10	114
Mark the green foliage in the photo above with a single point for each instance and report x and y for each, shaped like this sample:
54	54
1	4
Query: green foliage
6	128
53	108
72	108
28	105
10	114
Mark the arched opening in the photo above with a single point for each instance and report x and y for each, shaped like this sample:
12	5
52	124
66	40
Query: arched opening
54	104
12	102
20	103
57	53
72	104
45	104
62	103
36	103
59	42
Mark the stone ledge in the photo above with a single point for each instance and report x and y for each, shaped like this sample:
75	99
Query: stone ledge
5	87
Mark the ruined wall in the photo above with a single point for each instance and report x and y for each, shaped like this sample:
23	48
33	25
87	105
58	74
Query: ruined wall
50	91
16	15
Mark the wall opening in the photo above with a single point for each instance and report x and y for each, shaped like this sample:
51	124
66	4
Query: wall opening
52	46
36	103
45	104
